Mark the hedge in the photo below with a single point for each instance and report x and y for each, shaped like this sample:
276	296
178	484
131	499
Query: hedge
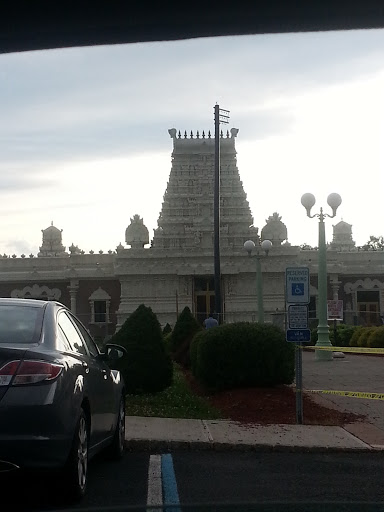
376	338
364	335
242	354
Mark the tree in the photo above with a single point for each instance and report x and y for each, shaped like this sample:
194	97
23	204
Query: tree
375	243
147	367
182	335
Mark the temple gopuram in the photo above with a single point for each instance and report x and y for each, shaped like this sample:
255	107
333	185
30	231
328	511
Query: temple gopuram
175	267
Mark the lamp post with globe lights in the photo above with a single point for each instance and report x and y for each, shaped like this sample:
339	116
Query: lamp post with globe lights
334	201
249	246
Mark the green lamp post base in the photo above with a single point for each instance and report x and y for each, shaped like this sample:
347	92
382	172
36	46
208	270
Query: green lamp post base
323	341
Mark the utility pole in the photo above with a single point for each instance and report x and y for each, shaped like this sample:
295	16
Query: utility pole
221	116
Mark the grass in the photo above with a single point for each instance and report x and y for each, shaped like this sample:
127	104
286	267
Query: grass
178	401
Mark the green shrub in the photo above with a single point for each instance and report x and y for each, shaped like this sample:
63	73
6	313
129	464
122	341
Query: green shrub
167	329
193	349
167	342
147	367
182	335
364	335
355	336
243	354
344	334
376	338
313	336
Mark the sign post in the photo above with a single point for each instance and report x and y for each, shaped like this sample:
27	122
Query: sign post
297	298
299	384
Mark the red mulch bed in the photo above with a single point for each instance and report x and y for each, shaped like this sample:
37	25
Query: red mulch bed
265	406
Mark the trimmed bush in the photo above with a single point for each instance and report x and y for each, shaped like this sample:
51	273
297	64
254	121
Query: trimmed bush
364	335
313	337
193	349
186	325
167	329
147	368
182	335
376	338
355	336
167	342
344	334
242	354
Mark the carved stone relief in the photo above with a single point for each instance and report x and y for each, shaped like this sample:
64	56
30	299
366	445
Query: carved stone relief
365	284
37	292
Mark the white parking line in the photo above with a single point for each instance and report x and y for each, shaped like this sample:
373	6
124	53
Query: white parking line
155	489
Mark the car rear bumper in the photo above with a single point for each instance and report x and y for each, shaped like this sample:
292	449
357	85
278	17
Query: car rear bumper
34	451
35	432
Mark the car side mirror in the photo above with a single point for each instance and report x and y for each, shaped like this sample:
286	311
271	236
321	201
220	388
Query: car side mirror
114	352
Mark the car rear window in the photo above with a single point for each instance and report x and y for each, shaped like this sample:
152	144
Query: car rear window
20	324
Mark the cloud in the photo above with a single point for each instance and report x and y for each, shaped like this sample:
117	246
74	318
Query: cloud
177	80
15	179
19	247
61	108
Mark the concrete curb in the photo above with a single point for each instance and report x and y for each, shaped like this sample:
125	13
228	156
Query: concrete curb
160	446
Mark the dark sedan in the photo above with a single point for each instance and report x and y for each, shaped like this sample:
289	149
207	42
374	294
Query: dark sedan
60	403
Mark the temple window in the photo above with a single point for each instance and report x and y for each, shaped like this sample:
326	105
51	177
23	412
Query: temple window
100	303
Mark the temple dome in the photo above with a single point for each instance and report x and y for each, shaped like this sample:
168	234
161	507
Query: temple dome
51	233
52	242
342	227
342	237
136	234
275	230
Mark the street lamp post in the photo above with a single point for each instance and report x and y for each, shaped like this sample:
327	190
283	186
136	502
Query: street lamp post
334	201
221	116
266	245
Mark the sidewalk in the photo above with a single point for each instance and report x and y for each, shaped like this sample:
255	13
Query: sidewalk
165	434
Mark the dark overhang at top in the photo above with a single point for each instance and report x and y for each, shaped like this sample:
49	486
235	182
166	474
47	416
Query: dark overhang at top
35	25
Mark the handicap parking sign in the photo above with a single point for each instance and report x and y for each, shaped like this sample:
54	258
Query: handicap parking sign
297	285
297	289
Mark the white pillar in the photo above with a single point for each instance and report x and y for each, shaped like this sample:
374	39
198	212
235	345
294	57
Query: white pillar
73	287
335	283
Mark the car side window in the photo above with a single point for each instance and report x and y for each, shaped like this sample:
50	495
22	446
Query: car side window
62	341
71	334
91	345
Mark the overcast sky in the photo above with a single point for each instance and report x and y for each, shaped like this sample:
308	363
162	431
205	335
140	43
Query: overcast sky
84	132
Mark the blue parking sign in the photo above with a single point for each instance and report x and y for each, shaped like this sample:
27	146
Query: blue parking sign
297	289
297	285
298	335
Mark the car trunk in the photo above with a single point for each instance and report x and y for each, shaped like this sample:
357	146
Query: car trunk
8	354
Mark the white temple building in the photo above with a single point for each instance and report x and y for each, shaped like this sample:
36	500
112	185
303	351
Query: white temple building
177	269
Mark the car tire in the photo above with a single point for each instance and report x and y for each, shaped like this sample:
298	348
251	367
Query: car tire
116	449
76	469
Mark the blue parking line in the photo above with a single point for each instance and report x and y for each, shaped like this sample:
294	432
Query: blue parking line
170	492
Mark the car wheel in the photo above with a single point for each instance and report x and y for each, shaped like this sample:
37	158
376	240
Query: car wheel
76	470
116	450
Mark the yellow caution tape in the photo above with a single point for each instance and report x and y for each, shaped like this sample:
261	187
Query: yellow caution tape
352	394
358	350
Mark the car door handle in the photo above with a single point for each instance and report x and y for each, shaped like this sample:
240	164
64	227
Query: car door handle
85	366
